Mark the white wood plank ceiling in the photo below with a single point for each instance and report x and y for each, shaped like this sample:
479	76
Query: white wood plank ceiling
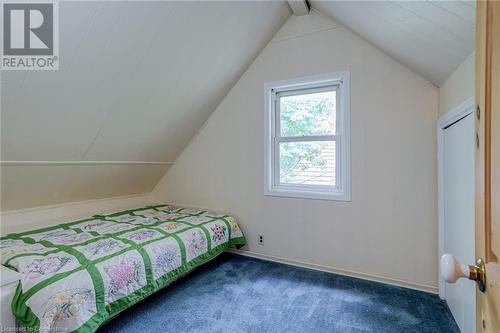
430	37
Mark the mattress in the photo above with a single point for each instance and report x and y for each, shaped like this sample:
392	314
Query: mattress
78	275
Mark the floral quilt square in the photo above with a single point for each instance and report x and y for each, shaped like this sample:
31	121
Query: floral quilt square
142	235
101	248
92	225
48	235
38	268
10	252
115	227
235	228
144	220
10	243
150	212
165	256
173	227
72	239
191	211
196	219
123	218
164	216
195	242
122	275
65	305
218	232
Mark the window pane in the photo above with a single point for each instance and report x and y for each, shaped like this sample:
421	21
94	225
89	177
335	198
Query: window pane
308	114
310	163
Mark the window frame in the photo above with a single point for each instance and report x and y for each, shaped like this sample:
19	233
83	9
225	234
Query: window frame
273	91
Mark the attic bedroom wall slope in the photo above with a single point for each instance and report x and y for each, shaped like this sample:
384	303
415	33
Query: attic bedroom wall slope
389	230
136	80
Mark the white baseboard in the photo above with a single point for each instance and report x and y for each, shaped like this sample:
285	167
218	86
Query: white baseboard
370	277
44	216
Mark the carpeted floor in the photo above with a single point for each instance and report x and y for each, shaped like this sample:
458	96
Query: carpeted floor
234	294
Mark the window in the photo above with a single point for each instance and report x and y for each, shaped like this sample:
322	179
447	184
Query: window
307	137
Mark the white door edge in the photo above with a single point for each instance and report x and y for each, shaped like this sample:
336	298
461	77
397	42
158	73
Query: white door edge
451	117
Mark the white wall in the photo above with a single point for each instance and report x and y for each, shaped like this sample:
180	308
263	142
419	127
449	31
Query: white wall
458	87
389	230
40	184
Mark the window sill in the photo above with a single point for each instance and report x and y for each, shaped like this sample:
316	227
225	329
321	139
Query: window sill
316	195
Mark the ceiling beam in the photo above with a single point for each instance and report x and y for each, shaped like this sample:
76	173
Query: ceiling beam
299	7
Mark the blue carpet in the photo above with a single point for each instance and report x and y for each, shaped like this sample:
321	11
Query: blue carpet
238	294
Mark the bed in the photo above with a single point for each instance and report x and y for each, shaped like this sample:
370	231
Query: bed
78	275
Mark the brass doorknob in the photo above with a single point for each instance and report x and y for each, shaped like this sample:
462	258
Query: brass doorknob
452	270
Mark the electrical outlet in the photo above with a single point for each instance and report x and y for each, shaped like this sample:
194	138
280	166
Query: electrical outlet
261	240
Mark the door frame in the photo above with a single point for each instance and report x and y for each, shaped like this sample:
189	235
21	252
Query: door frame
448	119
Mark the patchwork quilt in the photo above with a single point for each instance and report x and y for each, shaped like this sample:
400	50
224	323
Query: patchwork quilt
77	275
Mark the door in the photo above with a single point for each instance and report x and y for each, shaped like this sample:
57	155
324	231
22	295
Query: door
486	272
487	194
458	211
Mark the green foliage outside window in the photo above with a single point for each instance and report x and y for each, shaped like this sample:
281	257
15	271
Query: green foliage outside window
305	115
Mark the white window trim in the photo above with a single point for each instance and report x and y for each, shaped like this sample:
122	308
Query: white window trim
342	138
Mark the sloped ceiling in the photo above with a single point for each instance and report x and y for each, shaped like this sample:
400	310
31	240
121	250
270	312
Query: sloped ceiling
136	81
430	37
